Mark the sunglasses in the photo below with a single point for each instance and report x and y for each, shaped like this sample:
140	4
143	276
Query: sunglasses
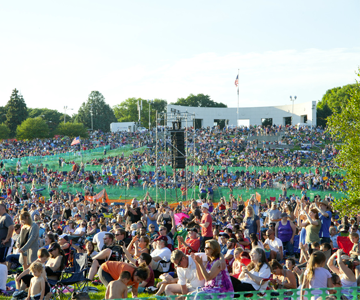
117	234
162	229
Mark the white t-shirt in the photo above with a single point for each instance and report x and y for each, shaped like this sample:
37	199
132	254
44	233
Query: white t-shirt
79	230
275	244
319	280
164	254
99	239
188	275
264	272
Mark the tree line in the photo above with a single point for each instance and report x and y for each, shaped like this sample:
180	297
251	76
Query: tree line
19	121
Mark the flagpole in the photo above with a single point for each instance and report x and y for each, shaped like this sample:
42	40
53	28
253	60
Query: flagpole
237	112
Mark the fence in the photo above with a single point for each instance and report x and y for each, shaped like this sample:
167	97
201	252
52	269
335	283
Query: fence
174	195
324	293
52	161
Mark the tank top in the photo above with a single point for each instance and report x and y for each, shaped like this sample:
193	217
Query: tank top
285	232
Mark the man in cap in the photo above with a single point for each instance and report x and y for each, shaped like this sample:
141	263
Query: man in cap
191	244
223	242
325	218
161	252
206	225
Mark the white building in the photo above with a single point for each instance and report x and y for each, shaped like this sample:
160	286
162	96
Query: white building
278	115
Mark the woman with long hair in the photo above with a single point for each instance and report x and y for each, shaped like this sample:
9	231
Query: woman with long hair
251	276
312	225
316	276
28	243
216	280
251	222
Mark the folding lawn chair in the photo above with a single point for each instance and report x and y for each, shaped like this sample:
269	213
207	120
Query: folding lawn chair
72	279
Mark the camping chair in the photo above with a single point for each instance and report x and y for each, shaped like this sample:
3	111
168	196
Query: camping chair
344	243
74	277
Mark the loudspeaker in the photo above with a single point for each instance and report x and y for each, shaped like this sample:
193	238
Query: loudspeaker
178	149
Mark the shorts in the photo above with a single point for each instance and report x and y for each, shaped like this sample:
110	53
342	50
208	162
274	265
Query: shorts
27	278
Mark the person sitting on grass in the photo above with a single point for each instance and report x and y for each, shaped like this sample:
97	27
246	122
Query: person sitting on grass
117	289
110	251
23	280
37	283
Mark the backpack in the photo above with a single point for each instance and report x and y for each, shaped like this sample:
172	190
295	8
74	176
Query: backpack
80	296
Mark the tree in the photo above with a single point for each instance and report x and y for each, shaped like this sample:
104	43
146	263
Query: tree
102	113
16	111
333	101
4	132
344	127
200	100
2	113
72	130
127	111
32	128
52	117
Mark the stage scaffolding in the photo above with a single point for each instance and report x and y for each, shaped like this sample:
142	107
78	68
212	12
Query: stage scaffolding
162	120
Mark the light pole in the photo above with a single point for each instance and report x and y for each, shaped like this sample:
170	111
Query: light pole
150	102
91	115
65	109
292	114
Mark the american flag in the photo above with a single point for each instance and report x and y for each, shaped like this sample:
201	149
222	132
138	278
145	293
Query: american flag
75	141
237	80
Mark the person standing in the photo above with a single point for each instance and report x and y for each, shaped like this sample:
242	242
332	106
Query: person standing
206	225
6	232
325	217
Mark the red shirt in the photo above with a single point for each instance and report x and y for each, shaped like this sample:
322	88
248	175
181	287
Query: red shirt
206	231
194	246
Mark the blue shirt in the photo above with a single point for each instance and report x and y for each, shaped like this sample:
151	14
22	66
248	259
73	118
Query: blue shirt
325	225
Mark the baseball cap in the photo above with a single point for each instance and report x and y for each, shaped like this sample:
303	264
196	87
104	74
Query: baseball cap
205	205
192	229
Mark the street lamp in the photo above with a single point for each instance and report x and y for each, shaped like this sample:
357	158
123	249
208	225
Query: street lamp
150	102
293	100
65	109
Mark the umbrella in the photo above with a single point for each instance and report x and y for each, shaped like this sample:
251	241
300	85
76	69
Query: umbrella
179	217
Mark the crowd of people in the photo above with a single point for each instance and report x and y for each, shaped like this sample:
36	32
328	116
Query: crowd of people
203	247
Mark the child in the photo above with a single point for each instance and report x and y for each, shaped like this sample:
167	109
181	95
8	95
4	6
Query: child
316	276
118	288
355	252
23	280
236	267
37	283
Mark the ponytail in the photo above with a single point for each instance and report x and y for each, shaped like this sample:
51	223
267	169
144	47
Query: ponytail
316	259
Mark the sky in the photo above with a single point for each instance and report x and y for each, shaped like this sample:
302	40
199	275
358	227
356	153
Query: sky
57	52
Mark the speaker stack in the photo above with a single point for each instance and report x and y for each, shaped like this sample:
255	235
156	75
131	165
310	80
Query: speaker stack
178	146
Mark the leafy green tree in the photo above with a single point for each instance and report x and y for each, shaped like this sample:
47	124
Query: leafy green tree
16	111
2	113
32	128
322	113
102	113
127	111
333	101
344	126
52	117
72	130
4	132
199	100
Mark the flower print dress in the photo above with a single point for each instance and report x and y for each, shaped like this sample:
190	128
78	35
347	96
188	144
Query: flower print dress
220	284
